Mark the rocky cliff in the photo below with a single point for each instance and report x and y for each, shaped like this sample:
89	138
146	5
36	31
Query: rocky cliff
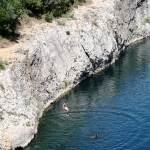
59	56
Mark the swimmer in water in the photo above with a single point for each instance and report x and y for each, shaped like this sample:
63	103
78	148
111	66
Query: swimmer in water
66	108
94	137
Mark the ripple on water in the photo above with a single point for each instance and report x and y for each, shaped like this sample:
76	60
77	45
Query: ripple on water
119	127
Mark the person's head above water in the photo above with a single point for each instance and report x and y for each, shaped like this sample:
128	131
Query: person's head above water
96	136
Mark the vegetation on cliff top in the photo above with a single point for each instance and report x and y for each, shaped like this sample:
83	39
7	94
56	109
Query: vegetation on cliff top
12	12
3	64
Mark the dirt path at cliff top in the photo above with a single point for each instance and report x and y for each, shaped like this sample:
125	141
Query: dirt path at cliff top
10	52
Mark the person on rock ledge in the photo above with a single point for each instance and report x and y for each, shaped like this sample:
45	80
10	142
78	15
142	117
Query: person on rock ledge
66	108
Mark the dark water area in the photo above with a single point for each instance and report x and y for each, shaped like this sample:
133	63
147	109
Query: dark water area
115	104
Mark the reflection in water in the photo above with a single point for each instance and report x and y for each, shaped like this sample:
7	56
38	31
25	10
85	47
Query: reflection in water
114	104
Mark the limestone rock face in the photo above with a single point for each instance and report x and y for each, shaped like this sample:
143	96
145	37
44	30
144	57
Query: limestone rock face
57	58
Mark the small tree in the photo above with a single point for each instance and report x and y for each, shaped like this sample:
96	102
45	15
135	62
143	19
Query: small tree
10	14
34	5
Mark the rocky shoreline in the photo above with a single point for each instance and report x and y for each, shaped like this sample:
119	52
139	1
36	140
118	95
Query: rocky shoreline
59	56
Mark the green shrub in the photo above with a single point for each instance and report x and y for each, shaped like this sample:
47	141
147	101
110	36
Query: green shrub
10	15
49	17
94	23
34	6
51	71
2	65
147	20
66	83
57	12
1	37
12	11
68	32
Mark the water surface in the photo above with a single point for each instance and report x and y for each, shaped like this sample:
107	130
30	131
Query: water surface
115	104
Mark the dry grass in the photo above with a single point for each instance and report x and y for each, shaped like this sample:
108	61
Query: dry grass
4	43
